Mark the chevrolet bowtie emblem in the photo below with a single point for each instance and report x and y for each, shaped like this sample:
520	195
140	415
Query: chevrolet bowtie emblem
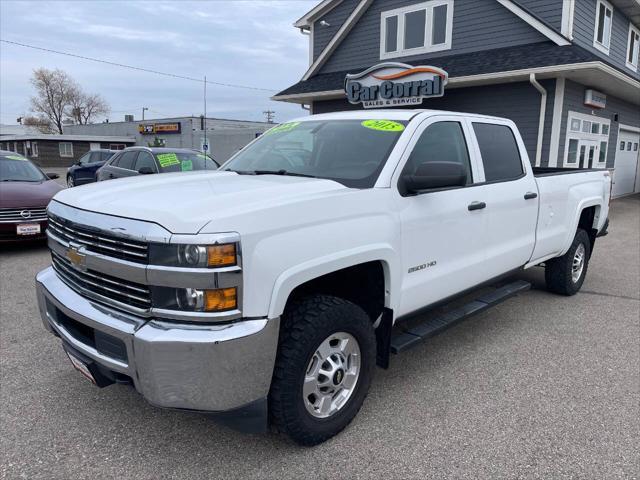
75	257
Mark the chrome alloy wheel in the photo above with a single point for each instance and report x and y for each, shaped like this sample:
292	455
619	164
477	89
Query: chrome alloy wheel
578	263
332	375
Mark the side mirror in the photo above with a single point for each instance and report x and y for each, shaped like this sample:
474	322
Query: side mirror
145	170
430	175
52	176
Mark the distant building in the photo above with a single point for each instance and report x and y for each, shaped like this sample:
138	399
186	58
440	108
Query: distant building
60	150
16	130
223	137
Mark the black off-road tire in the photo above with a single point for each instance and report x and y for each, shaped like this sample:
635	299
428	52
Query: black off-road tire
558	271
306	324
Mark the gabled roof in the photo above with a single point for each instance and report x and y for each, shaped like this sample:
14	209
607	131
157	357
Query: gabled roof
316	12
541	26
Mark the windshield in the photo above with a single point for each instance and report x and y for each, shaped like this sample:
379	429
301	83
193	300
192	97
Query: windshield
15	168
351	152
184	162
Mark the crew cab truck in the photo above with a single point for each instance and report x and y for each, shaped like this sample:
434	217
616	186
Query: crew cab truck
267	290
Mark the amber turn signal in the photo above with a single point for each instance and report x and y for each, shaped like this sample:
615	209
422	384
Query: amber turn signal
221	299
221	255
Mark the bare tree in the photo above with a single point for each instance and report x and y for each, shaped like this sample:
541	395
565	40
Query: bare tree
59	97
90	108
42	124
53	90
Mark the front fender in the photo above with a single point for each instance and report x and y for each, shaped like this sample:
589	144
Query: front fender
295	276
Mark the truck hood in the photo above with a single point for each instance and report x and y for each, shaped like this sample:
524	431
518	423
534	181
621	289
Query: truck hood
184	203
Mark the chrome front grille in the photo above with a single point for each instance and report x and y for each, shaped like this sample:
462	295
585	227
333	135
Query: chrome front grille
110	290
26	215
99	242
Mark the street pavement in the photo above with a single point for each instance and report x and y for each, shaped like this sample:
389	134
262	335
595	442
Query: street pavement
541	386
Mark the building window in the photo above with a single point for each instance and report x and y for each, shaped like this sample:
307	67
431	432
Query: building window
416	29
117	146
587	141
633	48
34	149
604	20
66	149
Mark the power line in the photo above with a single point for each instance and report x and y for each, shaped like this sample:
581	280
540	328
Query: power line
140	69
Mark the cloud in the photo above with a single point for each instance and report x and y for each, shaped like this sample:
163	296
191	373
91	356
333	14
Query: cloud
244	42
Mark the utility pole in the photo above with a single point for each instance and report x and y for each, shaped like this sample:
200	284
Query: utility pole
270	115
143	109
205	143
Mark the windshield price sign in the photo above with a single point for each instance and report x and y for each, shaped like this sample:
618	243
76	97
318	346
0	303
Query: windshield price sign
395	85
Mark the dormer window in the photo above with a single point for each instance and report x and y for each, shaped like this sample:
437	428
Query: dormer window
604	20
421	28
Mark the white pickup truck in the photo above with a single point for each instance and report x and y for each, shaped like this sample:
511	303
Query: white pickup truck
268	290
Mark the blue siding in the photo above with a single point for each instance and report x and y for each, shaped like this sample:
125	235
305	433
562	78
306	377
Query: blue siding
584	22
519	102
548	10
628	114
477	25
335	18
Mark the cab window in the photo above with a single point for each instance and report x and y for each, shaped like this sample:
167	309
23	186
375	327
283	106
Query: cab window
127	160
499	152
440	142
145	160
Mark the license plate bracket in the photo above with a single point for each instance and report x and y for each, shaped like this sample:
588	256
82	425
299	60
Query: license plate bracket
87	367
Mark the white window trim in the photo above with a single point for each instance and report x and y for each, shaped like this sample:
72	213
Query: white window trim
428	48
34	149
601	46
65	154
596	137
631	65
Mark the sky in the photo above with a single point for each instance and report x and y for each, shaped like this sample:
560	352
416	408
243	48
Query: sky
247	42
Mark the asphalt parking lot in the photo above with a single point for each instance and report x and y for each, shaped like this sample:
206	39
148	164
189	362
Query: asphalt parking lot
541	386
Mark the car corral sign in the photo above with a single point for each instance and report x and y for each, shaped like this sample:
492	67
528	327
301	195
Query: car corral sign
395	85
154	128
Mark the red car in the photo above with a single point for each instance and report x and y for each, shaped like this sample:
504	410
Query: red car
25	192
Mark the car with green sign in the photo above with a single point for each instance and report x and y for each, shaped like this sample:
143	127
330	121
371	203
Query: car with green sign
148	160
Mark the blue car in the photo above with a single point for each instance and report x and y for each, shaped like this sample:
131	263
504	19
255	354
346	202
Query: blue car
85	170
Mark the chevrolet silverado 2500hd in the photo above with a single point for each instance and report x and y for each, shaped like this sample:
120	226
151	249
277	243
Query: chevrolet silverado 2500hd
268	290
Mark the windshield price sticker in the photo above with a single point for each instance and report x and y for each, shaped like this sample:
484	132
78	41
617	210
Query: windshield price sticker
167	159
383	125
186	166
16	157
285	127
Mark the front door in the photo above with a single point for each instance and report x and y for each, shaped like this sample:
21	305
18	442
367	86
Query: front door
442	238
587	153
626	166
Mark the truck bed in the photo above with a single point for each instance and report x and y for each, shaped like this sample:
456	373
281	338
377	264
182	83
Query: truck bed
546	171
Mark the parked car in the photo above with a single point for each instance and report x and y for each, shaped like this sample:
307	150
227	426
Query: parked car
147	160
269	289
25	192
85	170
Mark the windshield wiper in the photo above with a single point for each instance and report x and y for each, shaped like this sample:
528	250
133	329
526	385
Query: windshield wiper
272	172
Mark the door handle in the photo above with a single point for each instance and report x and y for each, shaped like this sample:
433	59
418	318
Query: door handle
476	206
530	195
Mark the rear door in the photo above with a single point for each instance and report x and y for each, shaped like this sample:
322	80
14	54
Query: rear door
125	165
512	205
442	238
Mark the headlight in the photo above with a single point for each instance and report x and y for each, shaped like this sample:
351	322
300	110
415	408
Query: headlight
194	256
195	300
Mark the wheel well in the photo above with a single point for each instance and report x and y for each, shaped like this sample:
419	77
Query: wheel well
361	284
587	219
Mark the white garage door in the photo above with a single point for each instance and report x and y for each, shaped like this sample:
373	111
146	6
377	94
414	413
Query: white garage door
626	166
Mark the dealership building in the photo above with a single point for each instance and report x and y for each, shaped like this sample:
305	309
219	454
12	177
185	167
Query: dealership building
565	71
222	137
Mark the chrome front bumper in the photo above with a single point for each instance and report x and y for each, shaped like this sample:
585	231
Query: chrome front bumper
213	368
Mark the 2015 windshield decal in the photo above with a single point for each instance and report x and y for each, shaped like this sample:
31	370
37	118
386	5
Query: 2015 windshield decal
383	125
285	127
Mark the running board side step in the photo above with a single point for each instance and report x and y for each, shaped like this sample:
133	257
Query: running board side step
433	326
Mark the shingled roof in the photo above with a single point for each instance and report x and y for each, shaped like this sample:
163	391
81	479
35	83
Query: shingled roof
507	59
